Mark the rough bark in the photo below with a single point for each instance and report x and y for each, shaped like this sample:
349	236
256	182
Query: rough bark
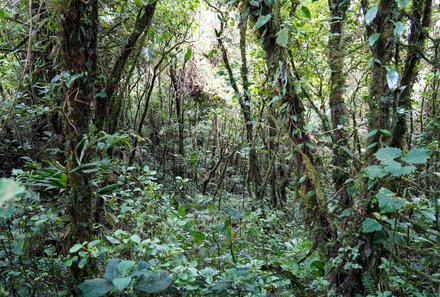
339	112
78	32
420	21
380	96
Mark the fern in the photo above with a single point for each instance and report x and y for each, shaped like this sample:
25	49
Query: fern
368	282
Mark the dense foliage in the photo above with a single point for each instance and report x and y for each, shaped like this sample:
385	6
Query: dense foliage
219	148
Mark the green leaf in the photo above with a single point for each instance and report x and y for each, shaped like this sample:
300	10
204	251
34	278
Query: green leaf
373	38
136	239
396	169
393	79
371	225
125	266
398	28
388	202
402	4
154	281
75	248
306	12
121	283
283	37
3	14
375	171
9	189
388	154
95	287
371	14
262	20
417	156
111	270
188	54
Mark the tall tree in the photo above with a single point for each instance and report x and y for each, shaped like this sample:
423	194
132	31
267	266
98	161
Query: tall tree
420	21
78	34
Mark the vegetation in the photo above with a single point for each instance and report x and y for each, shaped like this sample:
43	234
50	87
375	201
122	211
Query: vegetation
219	148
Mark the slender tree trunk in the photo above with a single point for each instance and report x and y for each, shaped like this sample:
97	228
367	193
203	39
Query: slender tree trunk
420	21
108	108
79	30
380	96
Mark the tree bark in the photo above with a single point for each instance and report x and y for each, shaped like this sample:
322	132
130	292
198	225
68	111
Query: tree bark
78	33
420	21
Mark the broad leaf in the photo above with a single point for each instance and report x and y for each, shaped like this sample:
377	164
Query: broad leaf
417	156
371	14
371	225
154	281
398	170
375	171
388	202
388	154
121	283
283	37
125	266
393	79
402	3
111	270
262	20
95	287
373	38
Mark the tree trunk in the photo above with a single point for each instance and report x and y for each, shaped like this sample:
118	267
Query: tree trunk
108	108
79	30
419	22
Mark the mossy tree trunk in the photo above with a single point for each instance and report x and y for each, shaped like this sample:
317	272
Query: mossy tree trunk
78	33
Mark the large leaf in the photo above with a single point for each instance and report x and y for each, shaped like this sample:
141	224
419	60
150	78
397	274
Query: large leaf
154	281
283	37
417	156
388	202
371	14
393	79
121	283
396	169
388	154
262	20
375	171
111	270
95	287
9	189
125	266
371	225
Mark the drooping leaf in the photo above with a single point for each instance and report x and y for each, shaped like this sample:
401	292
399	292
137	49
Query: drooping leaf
121	283
398	28
371	14
393	79
373	38
388	154
154	281
95	287
262	20
371	225
283	37
388	202
417	156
